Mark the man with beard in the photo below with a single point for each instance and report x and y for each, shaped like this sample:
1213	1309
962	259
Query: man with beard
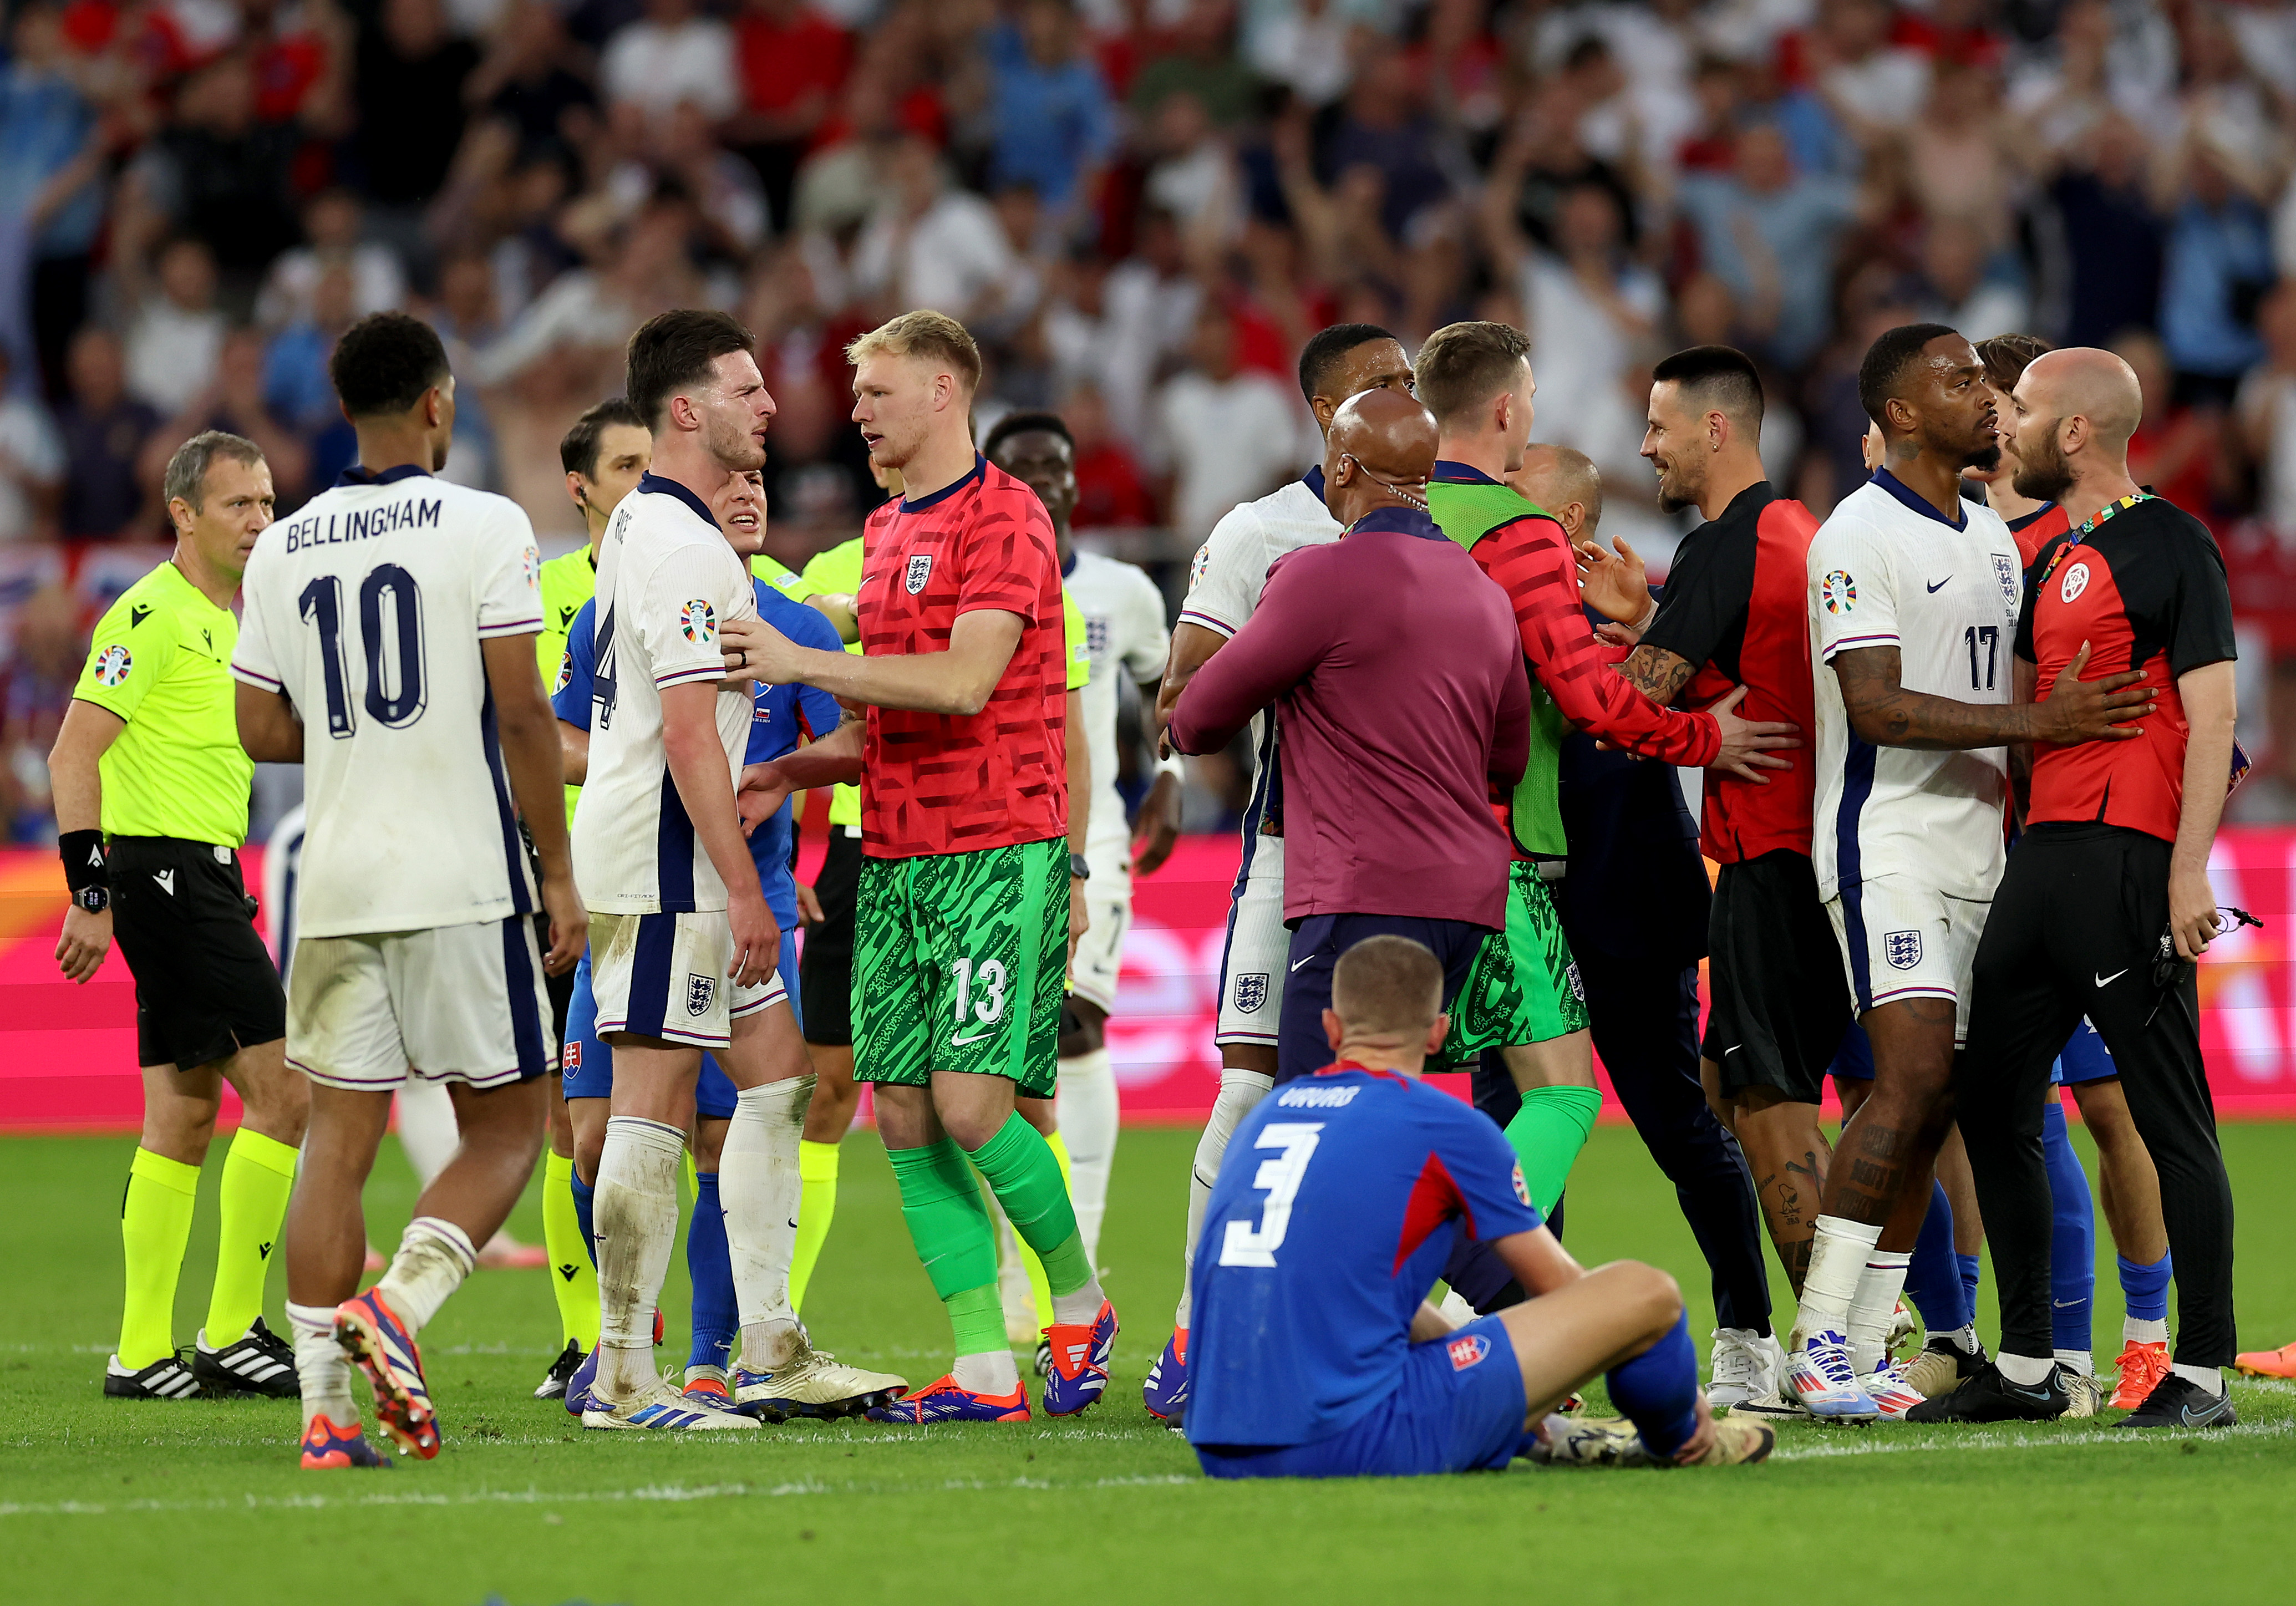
1912	593
2106	902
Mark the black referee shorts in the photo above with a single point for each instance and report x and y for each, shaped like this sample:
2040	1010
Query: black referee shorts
205	986
1780	1001
825	965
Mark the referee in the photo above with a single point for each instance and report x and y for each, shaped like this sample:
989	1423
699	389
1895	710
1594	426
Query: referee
150	788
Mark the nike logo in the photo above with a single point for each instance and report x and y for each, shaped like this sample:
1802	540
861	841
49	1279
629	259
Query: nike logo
2105	981
1733	1049
976	1037
2207	1416
136	616
167	879
2023	1392
792	1225
2067	1304
1309	959
1945	582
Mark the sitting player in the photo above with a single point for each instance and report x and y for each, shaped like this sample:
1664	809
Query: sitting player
1315	1354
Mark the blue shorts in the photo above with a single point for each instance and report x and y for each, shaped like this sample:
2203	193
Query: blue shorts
1317	941
1854	1058
1457	1407
588	1064
2084	1059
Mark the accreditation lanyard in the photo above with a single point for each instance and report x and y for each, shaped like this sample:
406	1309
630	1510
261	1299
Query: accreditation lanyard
2089	527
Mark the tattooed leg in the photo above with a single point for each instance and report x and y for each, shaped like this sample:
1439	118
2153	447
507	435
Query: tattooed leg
1788	1155
1888	1149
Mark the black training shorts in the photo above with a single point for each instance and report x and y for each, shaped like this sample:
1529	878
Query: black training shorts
205	986
825	965
1780	1001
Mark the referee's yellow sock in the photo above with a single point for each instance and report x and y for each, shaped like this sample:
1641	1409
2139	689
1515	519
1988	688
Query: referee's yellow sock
816	1171
572	1278
155	1224
257	1176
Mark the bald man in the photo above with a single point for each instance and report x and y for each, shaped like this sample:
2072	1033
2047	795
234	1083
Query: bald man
1399	699
2106	902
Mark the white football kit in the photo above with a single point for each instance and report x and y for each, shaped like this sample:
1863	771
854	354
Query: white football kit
1124	624
414	942
1908	843
660	944
1224	586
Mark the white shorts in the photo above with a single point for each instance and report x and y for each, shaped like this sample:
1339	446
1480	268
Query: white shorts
664	976
454	1003
1259	947
1901	939
1100	956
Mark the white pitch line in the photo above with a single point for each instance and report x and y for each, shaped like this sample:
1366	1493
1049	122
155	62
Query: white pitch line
1882	1444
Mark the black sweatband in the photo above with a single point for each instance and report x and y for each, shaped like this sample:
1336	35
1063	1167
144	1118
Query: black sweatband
82	852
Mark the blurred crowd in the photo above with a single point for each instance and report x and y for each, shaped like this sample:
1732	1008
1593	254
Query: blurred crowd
1141	207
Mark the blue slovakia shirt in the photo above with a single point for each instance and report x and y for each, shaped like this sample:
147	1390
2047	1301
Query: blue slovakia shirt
781	715
1339	1201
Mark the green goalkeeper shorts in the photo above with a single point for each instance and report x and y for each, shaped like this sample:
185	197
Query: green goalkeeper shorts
959	965
1523	986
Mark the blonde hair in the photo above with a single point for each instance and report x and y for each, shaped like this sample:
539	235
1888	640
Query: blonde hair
934	336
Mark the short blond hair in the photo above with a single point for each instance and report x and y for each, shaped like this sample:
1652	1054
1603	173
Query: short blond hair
1387	986
934	336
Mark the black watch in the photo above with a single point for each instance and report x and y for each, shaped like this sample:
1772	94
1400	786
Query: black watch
95	900
1079	867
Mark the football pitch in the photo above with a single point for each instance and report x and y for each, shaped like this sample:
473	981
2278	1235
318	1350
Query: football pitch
114	1501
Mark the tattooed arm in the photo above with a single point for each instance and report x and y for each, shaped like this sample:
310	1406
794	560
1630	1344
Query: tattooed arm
1657	674
1884	713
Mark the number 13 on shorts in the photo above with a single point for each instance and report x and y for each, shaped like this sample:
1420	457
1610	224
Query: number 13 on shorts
979	994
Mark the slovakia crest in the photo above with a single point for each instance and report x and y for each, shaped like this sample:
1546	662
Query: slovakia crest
698	991
2005	570
111	665
1468	1349
920	571
570	1059
1252	992
1902	949
2076	581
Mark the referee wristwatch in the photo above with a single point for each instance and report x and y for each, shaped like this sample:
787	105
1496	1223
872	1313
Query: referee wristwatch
95	900
1079	867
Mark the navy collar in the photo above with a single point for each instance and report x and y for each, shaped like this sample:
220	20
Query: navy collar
1461	473
1313	481
1920	504
980	472
356	475
2042	512
1397	522
664	486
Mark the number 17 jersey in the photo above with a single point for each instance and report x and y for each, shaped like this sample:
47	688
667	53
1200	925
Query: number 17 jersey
366	607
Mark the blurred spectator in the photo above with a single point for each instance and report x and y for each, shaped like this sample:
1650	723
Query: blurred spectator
1111	490
1232	434
176	329
794	63
1963	285
1055	124
2174	450
672	54
333	223
2267	411
1196	56
409	87
233	400
2216	268
296	387
464	314
929	244
1770	234
219	173
31	463
531	78
1387	129
1307	46
38	683
104	430
51	205
1872	85
2112	237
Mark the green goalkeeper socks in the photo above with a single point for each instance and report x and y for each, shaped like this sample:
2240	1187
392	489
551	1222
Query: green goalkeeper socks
1547	1134
258	1174
949	1225
155	1224
1020	1165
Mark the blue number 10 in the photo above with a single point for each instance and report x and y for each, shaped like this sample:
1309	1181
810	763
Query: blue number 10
395	657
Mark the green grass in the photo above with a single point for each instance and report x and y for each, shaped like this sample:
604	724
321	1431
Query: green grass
104	1501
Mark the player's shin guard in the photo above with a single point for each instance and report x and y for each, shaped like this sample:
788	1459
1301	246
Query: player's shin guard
710	1267
325	1371
2072	1242
761	1191
1658	1391
816	1171
1089	1115
637	1229
1546	1134
257	1176
1933	1278
155	1224
434	1256
940	1204
1240	1092
1026	1174
573	1279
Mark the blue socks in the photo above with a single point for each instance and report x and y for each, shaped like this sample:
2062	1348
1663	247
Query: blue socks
1658	1391
710	1265
583	1192
1972	1270
2073	1239
1933	1278
2144	1289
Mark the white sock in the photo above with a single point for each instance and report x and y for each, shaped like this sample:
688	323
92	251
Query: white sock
2134	1331
1963	1339
2201	1377
635	1210
759	1187
324	1371
1240	1092
1088	1114
992	1372
2025	1371
2077	1360
427	1128
434	1256
1874	1307
1837	1263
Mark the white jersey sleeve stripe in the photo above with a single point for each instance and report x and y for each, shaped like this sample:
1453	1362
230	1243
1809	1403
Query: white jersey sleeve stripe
680	677
1193	616
515	627
1871	638
254	677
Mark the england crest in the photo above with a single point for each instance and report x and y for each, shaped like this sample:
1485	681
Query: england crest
920	571
1902	949
698	991
2005	570
1252	992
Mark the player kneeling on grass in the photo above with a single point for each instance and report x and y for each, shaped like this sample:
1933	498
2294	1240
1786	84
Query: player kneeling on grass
1316	1354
